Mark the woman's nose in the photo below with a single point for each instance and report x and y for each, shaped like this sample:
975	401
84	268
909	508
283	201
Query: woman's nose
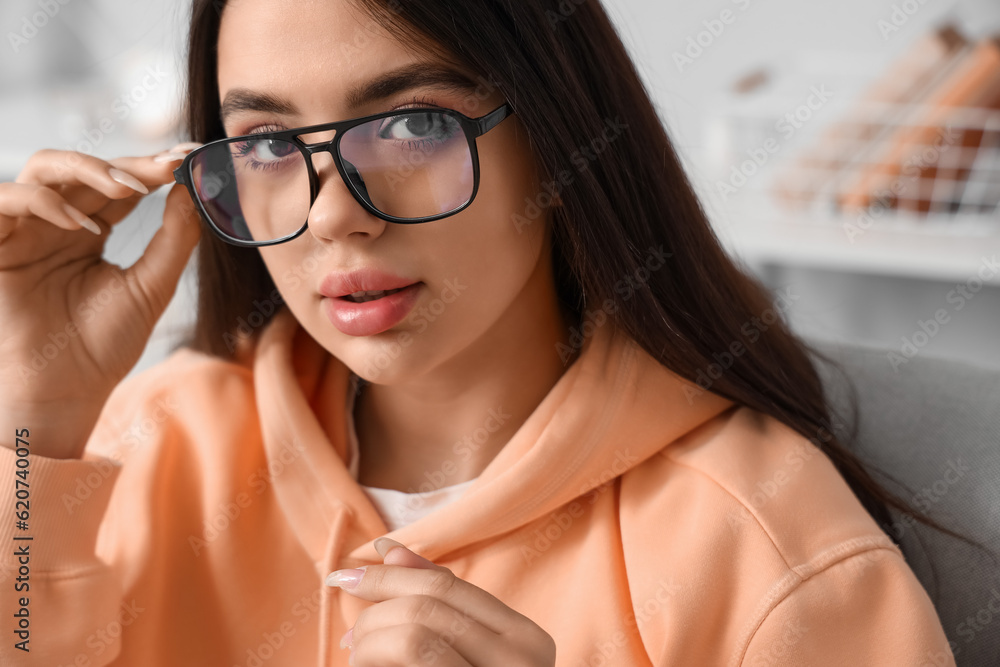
336	214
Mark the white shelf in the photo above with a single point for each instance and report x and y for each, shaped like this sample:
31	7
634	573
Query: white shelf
824	244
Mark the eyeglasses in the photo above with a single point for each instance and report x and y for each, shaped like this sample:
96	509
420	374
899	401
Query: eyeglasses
405	166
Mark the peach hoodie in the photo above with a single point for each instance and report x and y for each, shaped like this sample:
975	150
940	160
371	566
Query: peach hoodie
636	522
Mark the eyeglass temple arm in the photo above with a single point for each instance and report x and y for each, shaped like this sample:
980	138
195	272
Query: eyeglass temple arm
492	119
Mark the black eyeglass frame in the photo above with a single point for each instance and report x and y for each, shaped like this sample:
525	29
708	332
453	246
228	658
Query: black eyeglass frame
472	127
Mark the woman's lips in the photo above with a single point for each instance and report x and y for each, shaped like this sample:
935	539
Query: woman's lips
371	317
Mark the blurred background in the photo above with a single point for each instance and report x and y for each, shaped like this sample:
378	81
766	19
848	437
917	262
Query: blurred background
847	153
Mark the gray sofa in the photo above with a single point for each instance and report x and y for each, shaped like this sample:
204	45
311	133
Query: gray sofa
934	425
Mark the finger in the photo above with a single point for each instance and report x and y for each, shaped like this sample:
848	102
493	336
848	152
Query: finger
384	582
116	210
177	153
153	170
394	553
159	269
146	170
404	646
55	168
448	627
19	200
94	203
186	146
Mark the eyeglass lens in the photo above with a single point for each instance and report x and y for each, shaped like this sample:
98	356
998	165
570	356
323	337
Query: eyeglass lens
410	165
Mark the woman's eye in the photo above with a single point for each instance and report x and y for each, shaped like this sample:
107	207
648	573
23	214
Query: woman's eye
270	150
412	126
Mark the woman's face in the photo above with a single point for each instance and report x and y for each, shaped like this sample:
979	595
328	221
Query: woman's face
483	277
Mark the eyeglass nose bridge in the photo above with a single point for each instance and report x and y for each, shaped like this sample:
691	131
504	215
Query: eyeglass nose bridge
346	171
317	147
314	149
320	146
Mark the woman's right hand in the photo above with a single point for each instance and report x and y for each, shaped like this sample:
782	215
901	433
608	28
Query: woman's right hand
74	324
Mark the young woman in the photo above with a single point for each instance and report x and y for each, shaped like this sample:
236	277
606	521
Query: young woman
590	437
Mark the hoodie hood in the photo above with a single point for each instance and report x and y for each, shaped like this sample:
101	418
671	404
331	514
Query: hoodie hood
613	408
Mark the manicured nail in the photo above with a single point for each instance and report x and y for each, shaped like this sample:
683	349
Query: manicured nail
169	157
346	579
82	220
384	544
345	641
186	146
127	180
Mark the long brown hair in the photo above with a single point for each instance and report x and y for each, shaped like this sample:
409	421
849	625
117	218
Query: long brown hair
569	79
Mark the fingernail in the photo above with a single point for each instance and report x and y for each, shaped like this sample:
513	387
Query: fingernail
384	544
186	146
345	641
350	658
169	157
346	579
82	220
127	180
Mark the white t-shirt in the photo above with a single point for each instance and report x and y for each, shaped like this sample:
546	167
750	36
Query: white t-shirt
397	508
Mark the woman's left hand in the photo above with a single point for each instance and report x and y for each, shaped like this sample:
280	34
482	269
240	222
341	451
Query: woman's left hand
426	615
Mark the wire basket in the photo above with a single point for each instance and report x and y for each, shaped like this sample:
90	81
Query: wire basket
899	161
903	167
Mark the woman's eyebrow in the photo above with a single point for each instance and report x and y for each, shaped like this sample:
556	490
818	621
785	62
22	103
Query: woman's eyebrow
244	99
416	75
